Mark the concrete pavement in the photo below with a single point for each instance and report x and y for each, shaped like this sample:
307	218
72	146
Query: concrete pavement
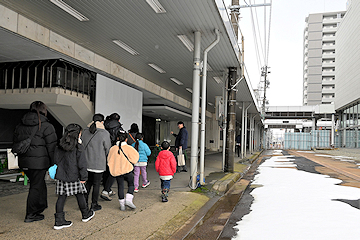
152	219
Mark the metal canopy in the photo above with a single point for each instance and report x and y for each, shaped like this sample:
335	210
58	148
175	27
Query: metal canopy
153	35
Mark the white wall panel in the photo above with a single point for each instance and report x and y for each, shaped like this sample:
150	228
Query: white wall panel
112	96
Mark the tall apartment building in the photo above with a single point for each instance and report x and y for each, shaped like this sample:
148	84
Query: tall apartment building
319	57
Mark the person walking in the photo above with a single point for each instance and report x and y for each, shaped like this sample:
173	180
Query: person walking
71	174
134	129
112	125
181	143
97	143
120	160
144	151
238	144
165	165
38	158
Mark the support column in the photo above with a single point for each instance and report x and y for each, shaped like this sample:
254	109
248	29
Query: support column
250	133
245	132
332	130
242	129
231	119
313	127
195	110
344	131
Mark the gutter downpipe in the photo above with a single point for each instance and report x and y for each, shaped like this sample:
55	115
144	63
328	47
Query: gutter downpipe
195	111
203	107
244	129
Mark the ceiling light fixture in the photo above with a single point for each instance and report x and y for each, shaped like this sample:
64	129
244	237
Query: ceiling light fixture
157	68
209	68
186	41
176	81
156	6
211	104
64	6
125	47
189	90
217	79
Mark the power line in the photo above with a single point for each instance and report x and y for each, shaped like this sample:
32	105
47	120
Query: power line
267	54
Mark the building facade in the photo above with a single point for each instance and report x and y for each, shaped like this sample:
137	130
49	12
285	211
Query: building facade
319	57
347	101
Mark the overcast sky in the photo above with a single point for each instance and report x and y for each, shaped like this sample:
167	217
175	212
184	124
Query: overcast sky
286	45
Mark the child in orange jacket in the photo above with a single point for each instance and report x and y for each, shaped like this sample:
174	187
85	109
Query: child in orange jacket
165	165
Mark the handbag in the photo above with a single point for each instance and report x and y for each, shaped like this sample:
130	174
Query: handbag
52	171
181	158
23	146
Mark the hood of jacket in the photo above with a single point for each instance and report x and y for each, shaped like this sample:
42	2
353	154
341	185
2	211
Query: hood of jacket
32	119
165	154
98	125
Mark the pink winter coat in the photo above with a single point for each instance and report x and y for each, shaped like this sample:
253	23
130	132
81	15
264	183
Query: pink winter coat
165	163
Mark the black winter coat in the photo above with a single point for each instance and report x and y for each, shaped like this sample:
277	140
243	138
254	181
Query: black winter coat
41	152
72	165
181	138
113	126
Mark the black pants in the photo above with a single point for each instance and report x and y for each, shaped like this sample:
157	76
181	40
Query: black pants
94	181
237	148
61	202
37	197
108	180
129	178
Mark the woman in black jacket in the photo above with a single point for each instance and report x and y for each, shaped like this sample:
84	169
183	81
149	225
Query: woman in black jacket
38	158
71	174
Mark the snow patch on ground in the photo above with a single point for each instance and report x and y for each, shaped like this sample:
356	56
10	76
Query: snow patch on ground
296	205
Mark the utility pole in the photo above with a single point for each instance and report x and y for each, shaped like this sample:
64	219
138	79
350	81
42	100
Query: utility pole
231	103
264	73
231	119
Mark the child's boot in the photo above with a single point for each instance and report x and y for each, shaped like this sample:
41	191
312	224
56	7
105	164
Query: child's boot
87	214
60	221
129	201
164	195
122	204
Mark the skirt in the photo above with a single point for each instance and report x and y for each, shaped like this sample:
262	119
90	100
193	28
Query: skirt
69	188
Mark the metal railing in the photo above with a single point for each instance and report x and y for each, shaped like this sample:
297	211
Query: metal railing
47	74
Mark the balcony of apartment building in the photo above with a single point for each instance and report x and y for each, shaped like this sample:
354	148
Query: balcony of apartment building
328	97
306	58
328	89
328	63
331	28
328	54
305	84
306	68
305	75
331	19
328	71
328	36
328	45
328	80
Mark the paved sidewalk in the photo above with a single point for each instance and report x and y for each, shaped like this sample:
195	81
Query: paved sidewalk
151	219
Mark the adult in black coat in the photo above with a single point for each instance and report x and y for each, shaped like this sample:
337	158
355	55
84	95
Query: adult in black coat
181	143
39	157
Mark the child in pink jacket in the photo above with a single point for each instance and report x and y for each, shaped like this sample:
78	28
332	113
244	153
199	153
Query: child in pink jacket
165	165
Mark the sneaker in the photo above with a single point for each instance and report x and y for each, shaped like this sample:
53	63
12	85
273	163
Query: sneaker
164	199
105	196
145	185
34	217
90	215
95	207
112	193
136	190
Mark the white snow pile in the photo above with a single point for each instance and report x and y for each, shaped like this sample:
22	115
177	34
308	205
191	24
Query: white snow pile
294	204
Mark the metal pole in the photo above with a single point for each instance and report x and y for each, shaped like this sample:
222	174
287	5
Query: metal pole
246	129
333	130
195	110
242	129
231	127
203	108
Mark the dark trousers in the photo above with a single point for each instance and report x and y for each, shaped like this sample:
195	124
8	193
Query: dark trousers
37	197
94	181
237	148
129	178
108	180
61	202
165	184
